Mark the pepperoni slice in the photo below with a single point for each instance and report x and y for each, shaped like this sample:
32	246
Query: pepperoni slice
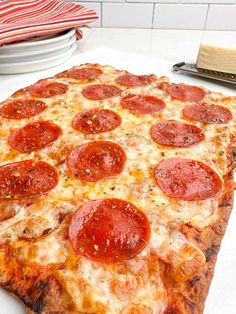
22	108
96	160
109	230
187	179
208	113
176	133
34	136
185	92
82	73
45	89
100	91
26	179
142	104
134	80
94	121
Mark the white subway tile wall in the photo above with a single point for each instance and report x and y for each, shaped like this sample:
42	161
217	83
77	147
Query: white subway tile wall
127	15
222	17
165	14
180	16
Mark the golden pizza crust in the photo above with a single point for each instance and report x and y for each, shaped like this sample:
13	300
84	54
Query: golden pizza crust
45	296
189	297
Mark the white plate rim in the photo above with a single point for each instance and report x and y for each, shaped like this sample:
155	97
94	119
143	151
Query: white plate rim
40	42
29	63
71	41
38	65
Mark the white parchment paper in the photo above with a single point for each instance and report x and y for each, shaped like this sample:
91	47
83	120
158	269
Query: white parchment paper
222	295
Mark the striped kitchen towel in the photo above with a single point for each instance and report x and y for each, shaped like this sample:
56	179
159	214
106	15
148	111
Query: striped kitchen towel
22	19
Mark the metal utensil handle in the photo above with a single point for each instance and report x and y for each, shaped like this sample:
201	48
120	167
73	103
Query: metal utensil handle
191	68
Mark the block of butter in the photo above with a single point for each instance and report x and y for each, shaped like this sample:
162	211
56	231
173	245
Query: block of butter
217	58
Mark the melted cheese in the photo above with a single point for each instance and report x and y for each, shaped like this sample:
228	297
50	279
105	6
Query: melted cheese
137	284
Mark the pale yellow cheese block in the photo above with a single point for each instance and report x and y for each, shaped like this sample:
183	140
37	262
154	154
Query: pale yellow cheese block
217	58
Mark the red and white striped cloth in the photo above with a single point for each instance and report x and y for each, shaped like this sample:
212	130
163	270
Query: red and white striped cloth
22	19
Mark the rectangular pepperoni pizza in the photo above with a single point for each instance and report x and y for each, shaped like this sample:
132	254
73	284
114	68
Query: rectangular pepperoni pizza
115	192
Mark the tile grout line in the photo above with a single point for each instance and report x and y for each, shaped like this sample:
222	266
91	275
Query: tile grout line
180	2
205	24
153	14
101	14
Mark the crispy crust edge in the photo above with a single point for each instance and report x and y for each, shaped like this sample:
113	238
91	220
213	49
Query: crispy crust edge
45	296
212	236
189	297
198	287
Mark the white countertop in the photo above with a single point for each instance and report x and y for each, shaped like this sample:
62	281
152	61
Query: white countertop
173	45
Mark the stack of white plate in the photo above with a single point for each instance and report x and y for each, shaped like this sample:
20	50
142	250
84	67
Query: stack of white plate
37	54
